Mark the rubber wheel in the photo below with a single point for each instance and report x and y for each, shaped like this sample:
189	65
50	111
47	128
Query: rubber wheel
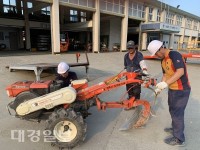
67	127
25	96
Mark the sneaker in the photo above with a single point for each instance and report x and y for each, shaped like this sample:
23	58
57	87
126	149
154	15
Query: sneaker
173	141
168	130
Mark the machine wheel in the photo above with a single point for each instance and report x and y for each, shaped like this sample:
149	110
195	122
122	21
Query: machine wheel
67	127
25	96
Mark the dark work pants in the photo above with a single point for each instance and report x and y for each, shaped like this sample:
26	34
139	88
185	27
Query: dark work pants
134	91
177	101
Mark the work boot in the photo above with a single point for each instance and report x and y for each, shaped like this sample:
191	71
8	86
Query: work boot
168	130
173	141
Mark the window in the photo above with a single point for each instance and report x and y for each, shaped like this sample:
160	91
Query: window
158	15
83	16
116	6
73	15
169	18
150	14
179	20
9	6
29	5
45	11
195	25
136	9
141	11
188	23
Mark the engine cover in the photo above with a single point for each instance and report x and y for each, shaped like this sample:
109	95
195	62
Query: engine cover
65	95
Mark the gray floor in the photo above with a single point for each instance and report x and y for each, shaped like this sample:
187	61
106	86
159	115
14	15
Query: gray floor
102	131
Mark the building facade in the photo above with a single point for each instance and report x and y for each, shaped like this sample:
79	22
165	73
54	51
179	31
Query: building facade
39	24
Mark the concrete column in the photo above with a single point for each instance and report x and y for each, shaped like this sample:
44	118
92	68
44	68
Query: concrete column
171	44
144	41
96	28
190	39
124	29
155	12
190	44
55	27
196	42
183	25
146	14
163	16
175	19
27	26
181	38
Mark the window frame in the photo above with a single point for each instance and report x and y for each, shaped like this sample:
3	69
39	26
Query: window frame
73	15
11	8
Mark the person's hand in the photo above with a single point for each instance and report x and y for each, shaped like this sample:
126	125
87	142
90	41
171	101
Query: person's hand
162	85
157	91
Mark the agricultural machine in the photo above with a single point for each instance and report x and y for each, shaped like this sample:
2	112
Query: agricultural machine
68	107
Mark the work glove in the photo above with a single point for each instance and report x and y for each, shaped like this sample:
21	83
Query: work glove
145	72
162	85
157	91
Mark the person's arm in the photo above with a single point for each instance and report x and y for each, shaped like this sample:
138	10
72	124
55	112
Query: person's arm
165	83
178	63
125	64
57	77
179	72
73	76
142	63
164	77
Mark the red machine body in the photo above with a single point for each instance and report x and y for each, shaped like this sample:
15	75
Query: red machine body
112	83
21	86
69	115
84	92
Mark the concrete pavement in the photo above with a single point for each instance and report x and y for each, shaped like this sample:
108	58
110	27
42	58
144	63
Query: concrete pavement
102	131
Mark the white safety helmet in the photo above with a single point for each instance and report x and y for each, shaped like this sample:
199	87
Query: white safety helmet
62	67
154	46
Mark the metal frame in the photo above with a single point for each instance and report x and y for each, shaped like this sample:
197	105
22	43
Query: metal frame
39	67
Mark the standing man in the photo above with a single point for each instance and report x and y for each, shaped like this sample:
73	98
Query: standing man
134	62
176	78
65	75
